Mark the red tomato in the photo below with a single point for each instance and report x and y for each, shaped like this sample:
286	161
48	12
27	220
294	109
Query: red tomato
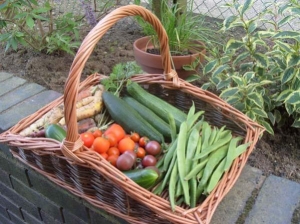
113	159
143	141
87	138
104	155
113	151
101	145
140	152
113	141
126	144
135	136
117	130
97	133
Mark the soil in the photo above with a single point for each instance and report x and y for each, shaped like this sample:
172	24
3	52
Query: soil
278	155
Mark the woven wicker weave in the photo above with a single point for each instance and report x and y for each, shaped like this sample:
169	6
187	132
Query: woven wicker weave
86	174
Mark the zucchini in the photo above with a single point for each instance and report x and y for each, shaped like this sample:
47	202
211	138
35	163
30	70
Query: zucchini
123	114
157	105
158	123
56	132
146	178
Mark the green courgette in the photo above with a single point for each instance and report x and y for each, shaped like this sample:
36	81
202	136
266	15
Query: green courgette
123	114
56	132
157	105
157	122
146	178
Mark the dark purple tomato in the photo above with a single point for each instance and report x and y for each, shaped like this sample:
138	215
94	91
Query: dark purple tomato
149	160
153	148
125	162
131	153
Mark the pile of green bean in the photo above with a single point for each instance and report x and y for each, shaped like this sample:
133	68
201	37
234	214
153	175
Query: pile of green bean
196	159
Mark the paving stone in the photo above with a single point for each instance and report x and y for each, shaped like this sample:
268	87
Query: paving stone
10	84
276	202
5	75
234	202
18	95
29	106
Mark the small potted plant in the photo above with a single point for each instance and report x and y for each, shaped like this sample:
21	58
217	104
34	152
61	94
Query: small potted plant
187	34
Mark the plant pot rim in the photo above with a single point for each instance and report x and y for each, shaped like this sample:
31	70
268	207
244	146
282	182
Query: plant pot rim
150	46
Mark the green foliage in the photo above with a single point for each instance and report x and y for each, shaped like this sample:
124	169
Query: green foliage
121	72
259	72
31	23
180	29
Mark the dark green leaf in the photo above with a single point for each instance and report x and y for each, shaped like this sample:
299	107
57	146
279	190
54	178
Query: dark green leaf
259	112
225	59
271	118
228	21
241	57
223	83
296	82
252	27
219	70
287	75
229	92
215	80
289	108
4	36
233	44
209	67
241	106
288	35
233	100
40	17
267	127
2	6
205	86
296	123
298	74
295	11
277	115
284	46
237	80
261	60
283	95
249	76
251	114
257	99
265	34
29	22
14	43
293	98
292	60
20	15
280	63
34	2
246	66
285	20
41	10
192	78
246	6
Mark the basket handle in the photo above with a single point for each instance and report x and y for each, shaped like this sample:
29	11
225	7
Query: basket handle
85	50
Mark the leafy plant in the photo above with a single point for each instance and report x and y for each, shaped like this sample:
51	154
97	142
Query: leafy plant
259	73
33	24
182	26
120	74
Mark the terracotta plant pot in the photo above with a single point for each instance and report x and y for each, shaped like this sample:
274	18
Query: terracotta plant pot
152	63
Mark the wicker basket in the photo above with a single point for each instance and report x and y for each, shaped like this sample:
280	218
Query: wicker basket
87	175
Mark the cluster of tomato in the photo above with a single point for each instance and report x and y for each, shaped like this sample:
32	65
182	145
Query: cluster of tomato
122	150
